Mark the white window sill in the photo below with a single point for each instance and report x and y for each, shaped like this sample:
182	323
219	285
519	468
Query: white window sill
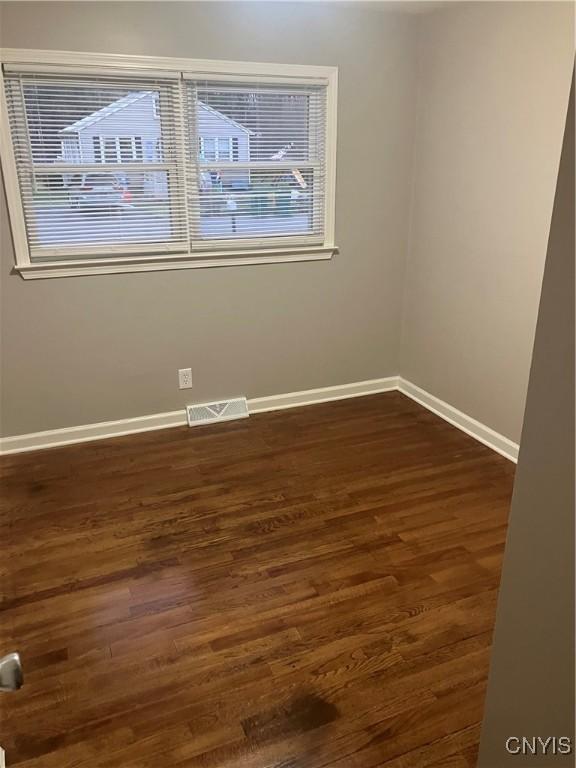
70	268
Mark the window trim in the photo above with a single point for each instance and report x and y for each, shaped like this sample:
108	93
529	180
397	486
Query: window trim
62	62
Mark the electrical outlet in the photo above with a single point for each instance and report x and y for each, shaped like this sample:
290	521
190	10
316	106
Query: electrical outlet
185	378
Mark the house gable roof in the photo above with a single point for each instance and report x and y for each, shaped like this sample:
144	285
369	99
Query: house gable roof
100	114
222	116
131	98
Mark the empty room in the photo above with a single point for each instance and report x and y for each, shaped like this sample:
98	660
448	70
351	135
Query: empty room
287	384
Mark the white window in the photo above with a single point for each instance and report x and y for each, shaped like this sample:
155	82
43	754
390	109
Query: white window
117	149
216	148
125	168
265	181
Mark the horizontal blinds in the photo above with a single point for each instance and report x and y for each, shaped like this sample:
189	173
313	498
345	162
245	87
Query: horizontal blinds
99	162
149	164
256	159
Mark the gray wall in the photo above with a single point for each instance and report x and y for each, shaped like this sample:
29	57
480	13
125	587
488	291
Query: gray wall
494	79
531	687
86	349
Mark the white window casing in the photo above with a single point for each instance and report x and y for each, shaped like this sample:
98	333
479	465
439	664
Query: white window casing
120	163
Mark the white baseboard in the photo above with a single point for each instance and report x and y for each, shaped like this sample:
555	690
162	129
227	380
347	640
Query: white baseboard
466	423
52	438
322	395
68	435
102	430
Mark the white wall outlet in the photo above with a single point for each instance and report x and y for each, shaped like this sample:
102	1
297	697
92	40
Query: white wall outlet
185	378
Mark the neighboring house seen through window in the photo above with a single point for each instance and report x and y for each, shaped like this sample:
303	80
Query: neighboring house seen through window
260	178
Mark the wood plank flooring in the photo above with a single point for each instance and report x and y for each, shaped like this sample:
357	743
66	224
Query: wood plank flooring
312	588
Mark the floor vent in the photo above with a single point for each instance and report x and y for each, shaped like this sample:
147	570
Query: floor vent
223	410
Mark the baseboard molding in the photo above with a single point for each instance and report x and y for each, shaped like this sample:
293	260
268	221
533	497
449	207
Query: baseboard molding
69	435
475	429
53	438
322	395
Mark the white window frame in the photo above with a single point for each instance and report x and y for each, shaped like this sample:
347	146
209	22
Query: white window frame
63	62
218	154
118	149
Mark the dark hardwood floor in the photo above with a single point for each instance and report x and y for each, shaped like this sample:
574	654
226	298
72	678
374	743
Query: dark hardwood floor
304	589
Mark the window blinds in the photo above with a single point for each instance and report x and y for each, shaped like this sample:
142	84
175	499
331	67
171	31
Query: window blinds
100	163
256	156
127	164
